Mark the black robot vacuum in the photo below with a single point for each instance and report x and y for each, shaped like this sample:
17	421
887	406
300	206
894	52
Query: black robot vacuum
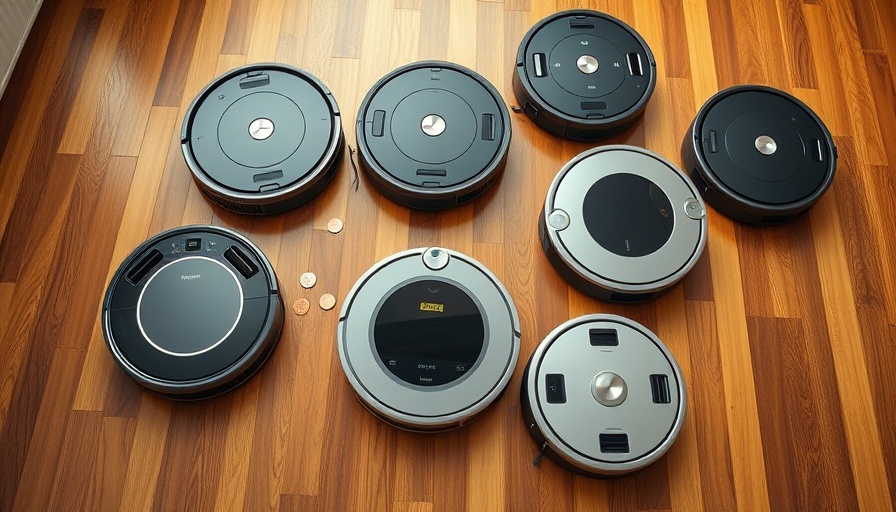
622	224
583	74
759	155
193	312
602	396
433	135
428	338
263	138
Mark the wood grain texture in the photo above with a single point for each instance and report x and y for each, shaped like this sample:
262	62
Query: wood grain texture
786	335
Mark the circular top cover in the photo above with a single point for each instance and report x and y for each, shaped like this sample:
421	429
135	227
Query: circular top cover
191	309
587	69
428	338
764	148
433	127
605	393
261	131
624	218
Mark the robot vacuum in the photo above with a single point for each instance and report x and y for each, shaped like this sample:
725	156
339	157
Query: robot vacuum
263	138
622	224
428	338
602	396
583	75
759	155
433	135
193	312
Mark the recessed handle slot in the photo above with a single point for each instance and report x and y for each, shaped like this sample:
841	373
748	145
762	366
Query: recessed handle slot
255	80
240	261
613	443
142	267
634	64
603	337
659	388
555	387
488	127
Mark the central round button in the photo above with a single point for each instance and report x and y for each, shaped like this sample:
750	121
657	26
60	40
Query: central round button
433	125
587	64
261	128
609	389
766	145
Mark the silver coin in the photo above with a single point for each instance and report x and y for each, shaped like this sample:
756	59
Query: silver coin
334	226
308	280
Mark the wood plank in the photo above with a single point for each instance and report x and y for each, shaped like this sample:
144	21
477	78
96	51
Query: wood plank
46	439
30	288
57	61
805	456
79	450
110	468
179	53
147	452
96	69
40	161
849	361
712	424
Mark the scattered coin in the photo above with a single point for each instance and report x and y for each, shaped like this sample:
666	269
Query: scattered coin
334	226
301	306
327	302
308	280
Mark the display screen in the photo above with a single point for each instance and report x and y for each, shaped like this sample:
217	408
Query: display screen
429	333
628	215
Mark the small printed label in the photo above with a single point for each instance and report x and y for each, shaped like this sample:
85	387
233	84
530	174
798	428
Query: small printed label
190	277
431	306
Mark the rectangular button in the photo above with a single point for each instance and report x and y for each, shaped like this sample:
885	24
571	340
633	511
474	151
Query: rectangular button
713	142
488	127
267	176
194	244
540	62
634	64
580	24
555	385
432	172
379	121
594	105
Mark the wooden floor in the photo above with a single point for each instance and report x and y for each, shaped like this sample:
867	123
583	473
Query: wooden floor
786	335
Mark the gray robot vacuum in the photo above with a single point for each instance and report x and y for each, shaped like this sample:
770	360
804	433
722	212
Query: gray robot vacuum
428	338
622	224
433	135
193	312
583	75
602	396
263	138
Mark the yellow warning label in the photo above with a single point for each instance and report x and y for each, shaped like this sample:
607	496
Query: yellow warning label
430	306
